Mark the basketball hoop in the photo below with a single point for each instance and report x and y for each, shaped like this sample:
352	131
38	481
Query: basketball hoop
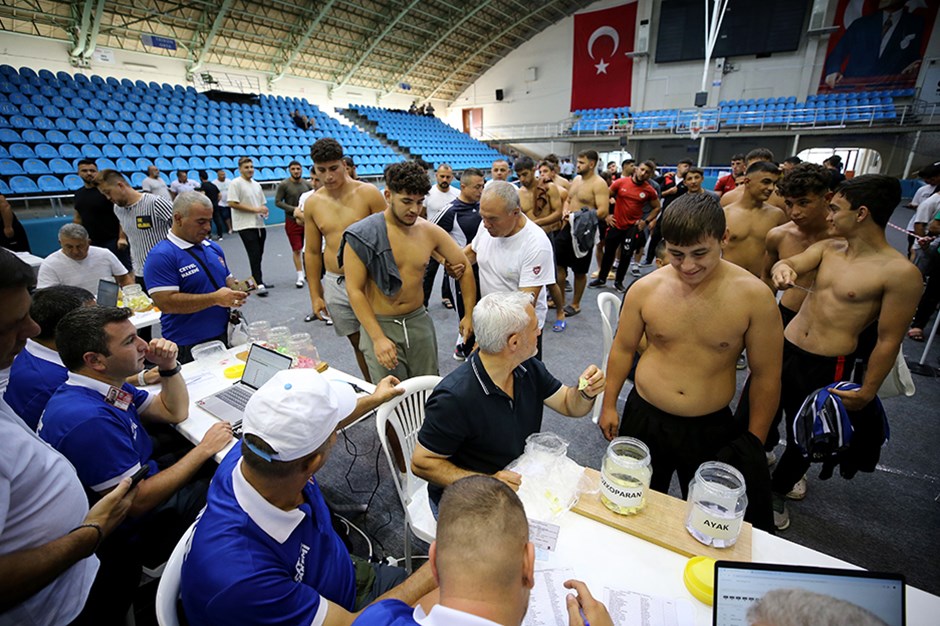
695	130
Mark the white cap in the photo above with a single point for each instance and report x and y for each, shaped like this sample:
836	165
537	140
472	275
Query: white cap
296	412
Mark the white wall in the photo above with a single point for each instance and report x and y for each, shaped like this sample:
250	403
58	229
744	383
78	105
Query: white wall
37	53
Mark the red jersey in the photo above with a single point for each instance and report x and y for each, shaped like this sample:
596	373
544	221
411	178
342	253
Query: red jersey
630	198
725	183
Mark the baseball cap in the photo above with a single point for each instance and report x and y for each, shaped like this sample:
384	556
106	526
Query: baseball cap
296	412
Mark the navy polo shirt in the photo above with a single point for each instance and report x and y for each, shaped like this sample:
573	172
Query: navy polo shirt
250	562
387	613
476	425
171	267
36	373
104	442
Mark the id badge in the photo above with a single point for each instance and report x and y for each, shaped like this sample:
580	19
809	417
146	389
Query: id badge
119	398
144	222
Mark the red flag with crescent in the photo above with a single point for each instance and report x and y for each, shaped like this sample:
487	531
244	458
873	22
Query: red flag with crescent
602	72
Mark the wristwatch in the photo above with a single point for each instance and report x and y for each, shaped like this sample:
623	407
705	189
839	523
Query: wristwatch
172	372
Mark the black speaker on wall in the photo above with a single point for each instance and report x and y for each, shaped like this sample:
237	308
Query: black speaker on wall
499	95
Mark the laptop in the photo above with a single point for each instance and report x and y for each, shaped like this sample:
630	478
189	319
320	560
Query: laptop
739	587
229	404
107	293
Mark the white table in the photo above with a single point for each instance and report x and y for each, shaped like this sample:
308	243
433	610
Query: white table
203	379
145	319
602	557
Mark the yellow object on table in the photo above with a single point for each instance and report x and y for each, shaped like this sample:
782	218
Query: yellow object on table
234	371
699	578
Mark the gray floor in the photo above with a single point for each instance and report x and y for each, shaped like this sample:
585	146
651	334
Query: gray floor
883	521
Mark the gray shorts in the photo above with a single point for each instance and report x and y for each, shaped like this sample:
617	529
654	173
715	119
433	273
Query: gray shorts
344	318
414	337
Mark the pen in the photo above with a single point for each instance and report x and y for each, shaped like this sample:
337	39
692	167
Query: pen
583	617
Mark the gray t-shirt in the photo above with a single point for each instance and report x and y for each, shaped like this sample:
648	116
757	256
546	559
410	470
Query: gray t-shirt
156	186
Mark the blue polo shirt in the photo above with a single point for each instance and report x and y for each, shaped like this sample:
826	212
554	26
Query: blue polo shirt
104	442
476	425
171	267
387	613
250	562
36	373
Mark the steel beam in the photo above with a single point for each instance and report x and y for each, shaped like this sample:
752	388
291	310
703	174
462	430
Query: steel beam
81	39
302	42
207	41
375	42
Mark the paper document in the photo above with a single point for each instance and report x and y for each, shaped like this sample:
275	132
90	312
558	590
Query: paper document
547	602
627	608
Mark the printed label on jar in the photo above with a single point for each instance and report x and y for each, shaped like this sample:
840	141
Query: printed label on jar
713	525
621	496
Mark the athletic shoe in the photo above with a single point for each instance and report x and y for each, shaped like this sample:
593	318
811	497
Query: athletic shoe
300	283
771	458
635	270
594	284
568	288
619	287
458	355
742	362
799	490
262	291
781	515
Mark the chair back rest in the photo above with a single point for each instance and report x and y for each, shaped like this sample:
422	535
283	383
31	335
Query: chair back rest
609	306
405	414
168	590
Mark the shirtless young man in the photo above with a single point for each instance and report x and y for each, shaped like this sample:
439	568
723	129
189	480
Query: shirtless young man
698	314
751	218
588	190
735	195
563	183
398	334
860	278
541	202
341	201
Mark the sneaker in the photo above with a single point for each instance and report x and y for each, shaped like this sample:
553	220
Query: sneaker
262	291
597	282
568	288
781	515
300	283
742	362
459	355
635	270
771	458
619	287
799	490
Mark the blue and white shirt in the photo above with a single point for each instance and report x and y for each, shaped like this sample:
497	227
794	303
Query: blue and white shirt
36	373
170	267
104	442
250	562
461	221
397	613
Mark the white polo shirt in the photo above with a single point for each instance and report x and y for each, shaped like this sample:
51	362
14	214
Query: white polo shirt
247	192
438	200
100	264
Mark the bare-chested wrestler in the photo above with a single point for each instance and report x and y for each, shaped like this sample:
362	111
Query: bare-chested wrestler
860	278
540	201
385	257
588	191
755	155
564	185
698	313
327	213
751	218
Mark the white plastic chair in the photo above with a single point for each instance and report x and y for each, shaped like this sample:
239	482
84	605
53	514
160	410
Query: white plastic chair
405	413
609	306
168	590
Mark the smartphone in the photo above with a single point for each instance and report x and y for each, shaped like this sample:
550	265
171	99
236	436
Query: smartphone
249	284
140	475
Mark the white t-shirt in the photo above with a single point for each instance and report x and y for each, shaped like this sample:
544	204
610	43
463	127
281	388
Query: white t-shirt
438	200
247	192
58	269
302	200
41	499
926	208
156	186
223	190
511	263
921	194
177	187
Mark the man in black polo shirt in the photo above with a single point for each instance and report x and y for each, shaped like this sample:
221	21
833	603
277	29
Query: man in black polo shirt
96	214
478	417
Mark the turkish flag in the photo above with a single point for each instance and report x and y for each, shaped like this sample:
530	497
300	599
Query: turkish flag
602	73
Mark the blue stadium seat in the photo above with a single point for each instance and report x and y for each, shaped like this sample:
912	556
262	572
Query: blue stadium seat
43	123
182	150
20	121
73	181
91	151
130	151
8	135
45	151
60	166
21	151
4	188
106	164
85	125
143	163
33	136
9	167
78	137
179	163
97	137
149	150
163	164
166	151
51	184
69	151
137	179
135	138
126	165
111	151
64	124
21	185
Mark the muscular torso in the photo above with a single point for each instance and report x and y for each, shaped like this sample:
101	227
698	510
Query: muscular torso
688	367
846	298
747	232
536	204
412	248
333	215
788	241
581	193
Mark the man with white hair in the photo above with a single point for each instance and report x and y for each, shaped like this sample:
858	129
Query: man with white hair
478	417
512	252
264	550
80	264
189	280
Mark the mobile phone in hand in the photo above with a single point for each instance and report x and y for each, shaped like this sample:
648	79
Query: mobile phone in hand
249	284
139	475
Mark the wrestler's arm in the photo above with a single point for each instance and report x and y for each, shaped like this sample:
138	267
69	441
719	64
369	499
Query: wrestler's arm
374	198
357	277
313	257
902	293
764	344
771	255
453	255
601	199
785	272
630	329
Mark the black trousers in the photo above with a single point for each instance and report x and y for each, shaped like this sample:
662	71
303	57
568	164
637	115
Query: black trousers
186	352
253	239
429	275
930	299
656	236
616	239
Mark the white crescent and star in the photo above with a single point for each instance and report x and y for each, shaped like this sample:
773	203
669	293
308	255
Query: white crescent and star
603	31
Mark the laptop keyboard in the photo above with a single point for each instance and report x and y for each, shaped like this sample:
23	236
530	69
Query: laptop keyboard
237	396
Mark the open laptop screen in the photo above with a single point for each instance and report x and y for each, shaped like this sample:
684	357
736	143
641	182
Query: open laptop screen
262	365
751	594
107	293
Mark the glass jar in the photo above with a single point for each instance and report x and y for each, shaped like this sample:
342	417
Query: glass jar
279	338
716	504
134	298
625	476
258	331
300	346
